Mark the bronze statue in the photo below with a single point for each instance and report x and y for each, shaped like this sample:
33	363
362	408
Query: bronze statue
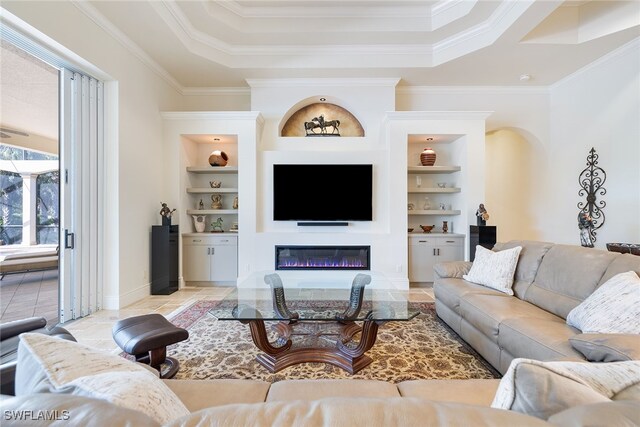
482	215
319	122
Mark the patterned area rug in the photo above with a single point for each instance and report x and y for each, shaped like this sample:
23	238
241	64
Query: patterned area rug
422	348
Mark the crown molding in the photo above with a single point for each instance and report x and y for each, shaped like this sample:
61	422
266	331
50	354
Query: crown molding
437	115
213	115
324	82
213	91
632	47
101	21
462	90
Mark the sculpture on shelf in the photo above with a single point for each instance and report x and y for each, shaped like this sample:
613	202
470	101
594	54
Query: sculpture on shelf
591	180
216	201
585	224
201	205
445	227
319	122
482	215
215	184
165	213
235	202
216	226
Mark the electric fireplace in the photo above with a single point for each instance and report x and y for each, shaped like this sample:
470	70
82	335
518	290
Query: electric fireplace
323	257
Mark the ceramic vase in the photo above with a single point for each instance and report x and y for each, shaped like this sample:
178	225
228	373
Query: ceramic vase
428	157
427	204
198	222
218	158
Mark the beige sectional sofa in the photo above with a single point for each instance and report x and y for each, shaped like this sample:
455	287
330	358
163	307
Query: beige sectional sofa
550	280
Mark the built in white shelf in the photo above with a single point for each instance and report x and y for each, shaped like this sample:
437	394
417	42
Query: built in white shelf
433	169
209	190
429	190
212	211
212	169
433	212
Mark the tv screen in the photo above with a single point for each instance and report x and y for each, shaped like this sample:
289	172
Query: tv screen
322	192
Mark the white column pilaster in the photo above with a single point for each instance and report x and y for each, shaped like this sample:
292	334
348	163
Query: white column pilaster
29	214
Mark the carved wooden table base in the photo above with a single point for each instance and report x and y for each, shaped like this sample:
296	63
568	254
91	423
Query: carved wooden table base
343	352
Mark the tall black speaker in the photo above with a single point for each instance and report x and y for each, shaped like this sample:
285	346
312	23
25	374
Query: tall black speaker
483	235
164	259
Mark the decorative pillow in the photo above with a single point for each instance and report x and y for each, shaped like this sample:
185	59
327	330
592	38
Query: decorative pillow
613	308
494	269
541	389
61	366
607	347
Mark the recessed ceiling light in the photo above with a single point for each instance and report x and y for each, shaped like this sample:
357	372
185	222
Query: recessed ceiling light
323	99
525	77
216	139
429	139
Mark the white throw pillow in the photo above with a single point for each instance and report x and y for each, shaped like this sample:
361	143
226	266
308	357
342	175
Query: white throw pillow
541	389
613	308
61	366
494	269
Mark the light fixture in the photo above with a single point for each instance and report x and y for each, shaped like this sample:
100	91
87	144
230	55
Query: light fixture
525	77
216	139
323	99
429	139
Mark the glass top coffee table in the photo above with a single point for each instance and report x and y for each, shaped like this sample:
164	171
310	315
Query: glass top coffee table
315	324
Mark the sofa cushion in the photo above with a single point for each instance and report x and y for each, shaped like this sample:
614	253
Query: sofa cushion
355	412
528	263
449	292
319	389
613	308
60	366
542	389
621	264
566	276
201	394
494	269
49	409
618	413
486	312
473	391
535	338
607	347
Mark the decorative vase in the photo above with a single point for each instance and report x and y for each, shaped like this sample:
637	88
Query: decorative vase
427	204
445	227
428	157
218	158
198	222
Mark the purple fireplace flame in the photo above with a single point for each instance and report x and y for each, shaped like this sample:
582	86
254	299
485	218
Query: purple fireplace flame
323	257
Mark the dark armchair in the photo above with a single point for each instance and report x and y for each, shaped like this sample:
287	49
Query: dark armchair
9	339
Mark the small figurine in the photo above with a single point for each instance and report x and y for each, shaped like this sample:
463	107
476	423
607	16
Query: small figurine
215	184
235	202
585	224
482	215
216	201
216	227
445	227
165	213
201	205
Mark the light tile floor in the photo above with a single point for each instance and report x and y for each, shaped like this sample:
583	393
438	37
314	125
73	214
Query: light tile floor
29	294
95	329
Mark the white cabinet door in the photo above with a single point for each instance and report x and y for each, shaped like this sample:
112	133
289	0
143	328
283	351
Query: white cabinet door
449	249
421	259
224	263
196	260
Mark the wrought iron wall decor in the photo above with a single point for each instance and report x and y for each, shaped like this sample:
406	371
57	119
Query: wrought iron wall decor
591	217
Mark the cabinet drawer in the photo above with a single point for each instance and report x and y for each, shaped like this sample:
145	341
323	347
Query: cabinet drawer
224	240
417	241
452	241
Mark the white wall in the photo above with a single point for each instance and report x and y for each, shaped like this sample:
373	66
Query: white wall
598	107
135	182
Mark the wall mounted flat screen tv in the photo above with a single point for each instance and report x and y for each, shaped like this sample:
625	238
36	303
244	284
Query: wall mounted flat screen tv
322	192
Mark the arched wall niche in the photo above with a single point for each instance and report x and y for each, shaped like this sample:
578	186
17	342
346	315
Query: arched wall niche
331	108
516	184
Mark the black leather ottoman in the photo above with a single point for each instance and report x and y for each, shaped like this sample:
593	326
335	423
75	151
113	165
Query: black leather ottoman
147	337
